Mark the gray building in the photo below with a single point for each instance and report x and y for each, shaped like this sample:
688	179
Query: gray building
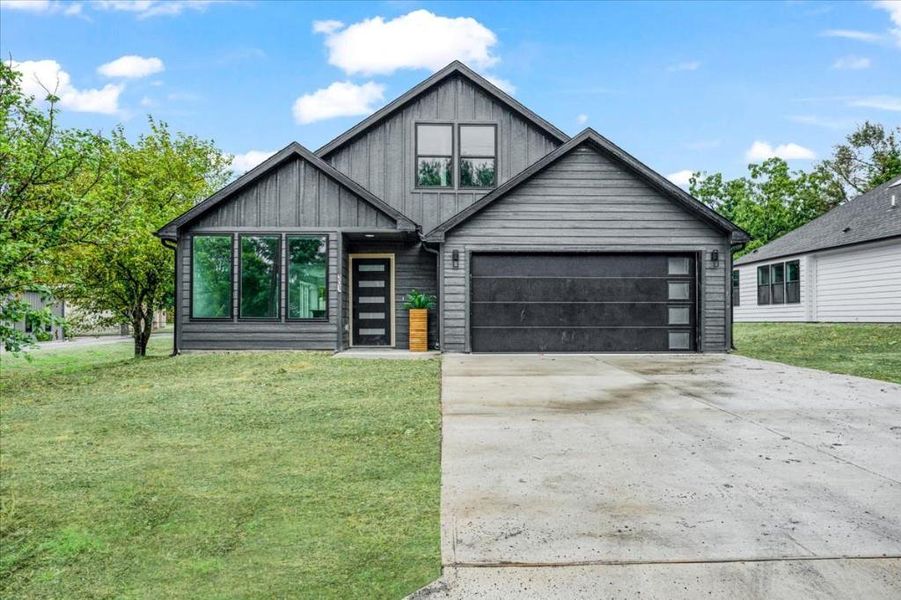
531	240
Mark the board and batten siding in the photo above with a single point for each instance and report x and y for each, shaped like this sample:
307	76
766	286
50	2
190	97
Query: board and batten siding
585	202
383	158
295	198
856	284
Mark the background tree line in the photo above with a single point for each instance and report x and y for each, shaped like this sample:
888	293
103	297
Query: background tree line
772	200
78	209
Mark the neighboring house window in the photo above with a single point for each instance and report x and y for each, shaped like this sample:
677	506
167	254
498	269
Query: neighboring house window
259	292
478	156
211	277
307	277
735	288
763	285
434	155
793	282
777	283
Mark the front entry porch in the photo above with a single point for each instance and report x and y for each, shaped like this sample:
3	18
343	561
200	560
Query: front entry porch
378	270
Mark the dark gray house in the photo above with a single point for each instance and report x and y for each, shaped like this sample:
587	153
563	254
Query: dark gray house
532	240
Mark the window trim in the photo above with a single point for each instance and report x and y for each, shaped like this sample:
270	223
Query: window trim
735	282
231	287
769	291
797	262
770	285
417	156
328	298
280	237
461	156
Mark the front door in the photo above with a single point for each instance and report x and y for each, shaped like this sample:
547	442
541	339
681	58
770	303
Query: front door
371	302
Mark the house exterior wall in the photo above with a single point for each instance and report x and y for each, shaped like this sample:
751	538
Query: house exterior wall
585	202
854	284
295	198
37	302
383	159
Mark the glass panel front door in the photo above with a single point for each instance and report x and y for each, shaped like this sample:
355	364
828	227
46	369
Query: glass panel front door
371	302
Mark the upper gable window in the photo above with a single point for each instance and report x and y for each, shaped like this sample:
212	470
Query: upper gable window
435	155
478	156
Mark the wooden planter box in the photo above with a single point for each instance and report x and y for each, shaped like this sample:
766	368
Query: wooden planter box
419	329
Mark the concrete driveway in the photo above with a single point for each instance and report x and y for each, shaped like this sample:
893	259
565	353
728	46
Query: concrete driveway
667	476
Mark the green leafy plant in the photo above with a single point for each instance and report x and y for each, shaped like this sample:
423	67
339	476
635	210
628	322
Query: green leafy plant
417	299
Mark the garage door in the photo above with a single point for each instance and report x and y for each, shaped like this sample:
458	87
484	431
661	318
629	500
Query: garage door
582	303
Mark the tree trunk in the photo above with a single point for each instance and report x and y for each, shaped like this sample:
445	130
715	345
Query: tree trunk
141	328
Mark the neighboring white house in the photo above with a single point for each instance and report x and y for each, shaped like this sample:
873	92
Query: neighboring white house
844	266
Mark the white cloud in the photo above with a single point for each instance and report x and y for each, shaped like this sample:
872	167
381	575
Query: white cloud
791	151
892	103
131	66
852	63
681	178
40	74
582	119
36	6
502	83
340	99
327	26
147	102
853	34
417	40
43	7
153	8
245	162
689	65
893	7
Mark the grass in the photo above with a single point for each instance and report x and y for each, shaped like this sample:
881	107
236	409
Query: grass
241	475
865	350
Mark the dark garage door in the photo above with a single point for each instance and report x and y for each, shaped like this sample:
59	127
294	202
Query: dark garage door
582	302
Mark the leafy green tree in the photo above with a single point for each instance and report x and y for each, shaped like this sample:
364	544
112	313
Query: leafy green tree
768	203
47	175
126	273
870	156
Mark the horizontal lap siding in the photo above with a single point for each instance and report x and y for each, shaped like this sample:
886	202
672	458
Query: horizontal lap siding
749	311
382	159
585	202
860	284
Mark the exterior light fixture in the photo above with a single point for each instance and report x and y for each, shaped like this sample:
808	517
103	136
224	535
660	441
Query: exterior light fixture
369	235
455	259
715	257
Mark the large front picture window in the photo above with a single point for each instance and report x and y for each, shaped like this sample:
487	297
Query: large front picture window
211	277
307	277
259	277
478	156
434	155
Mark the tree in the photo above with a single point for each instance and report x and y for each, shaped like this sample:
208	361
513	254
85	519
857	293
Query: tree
870	156
126	273
46	177
768	203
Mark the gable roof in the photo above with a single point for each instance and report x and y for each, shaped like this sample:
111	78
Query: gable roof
169	230
866	218
597	141
455	68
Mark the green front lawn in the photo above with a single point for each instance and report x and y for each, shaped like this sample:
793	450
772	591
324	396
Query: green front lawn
242	475
865	350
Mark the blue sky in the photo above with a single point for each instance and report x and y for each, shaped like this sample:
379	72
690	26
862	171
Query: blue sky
699	86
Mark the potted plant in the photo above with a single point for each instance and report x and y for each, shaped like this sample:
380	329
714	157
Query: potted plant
419	304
